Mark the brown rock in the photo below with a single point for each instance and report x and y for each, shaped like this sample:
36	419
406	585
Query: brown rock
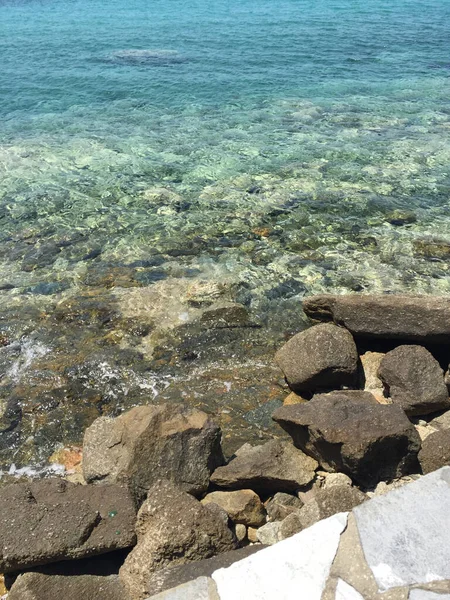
293	398
322	357
366	440
413	318
173	528
273	467
148	443
415	380
435	451
327	502
370	362
51	520
242	506
282	505
38	586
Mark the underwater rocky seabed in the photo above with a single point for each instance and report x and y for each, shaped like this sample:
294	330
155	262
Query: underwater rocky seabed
112	246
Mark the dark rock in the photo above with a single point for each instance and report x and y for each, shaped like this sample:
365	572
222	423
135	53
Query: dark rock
435	451
414	379
401	217
170	577
173	528
51	520
322	357
225	314
366	440
347	396
282	505
273	467
38	586
415	318
149	443
40	255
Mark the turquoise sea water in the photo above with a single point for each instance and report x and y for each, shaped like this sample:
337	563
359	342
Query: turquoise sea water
157	154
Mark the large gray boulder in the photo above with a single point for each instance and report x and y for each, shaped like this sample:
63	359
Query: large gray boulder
51	520
273	467
322	357
414	379
148	443
366	440
435	451
39	586
412	318
173	528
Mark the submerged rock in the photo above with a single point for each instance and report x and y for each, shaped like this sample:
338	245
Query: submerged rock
366	440
146	57
149	443
322	357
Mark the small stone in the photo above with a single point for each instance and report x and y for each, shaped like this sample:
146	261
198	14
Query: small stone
293	398
282	505
435	451
415	380
272	467
322	357
269	533
370	363
242	506
252	534
336	479
240	531
401	217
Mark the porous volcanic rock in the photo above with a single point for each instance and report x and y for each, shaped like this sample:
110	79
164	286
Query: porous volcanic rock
172	528
242	506
273	467
52	520
435	451
148	443
366	440
413	318
39	586
414	379
322	357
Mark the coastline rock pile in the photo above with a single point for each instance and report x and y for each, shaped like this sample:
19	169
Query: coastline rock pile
368	411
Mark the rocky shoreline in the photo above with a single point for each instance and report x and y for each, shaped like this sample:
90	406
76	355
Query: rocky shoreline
368	411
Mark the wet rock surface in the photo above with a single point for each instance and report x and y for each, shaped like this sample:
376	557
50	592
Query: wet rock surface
52	520
366	440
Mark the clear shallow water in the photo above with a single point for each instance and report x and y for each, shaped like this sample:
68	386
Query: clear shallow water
256	148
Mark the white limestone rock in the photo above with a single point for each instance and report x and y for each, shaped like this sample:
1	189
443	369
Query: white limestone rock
403	534
346	592
426	595
301	562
